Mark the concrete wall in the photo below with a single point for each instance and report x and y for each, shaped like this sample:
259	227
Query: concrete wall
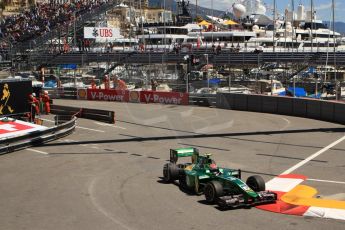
300	107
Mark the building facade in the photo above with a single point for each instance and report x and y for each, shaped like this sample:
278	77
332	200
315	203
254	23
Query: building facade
135	3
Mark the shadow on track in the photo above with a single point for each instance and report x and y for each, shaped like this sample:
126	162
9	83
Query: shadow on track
199	136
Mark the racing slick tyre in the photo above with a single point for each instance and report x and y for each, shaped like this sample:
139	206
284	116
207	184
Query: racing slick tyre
183	183
170	172
256	183
213	190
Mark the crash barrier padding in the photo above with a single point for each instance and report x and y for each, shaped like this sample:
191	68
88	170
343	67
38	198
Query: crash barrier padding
327	111
314	109
331	111
269	105
255	103
284	105
92	114
299	107
202	99
240	101
339	112
37	138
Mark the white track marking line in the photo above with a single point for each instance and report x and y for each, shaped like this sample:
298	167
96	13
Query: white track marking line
318	153
95	130
109	125
80	127
37	151
327	181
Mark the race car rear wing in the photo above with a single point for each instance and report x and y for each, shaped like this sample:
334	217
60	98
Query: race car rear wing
182	152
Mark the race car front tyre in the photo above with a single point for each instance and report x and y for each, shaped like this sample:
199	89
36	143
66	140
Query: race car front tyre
256	183
183	183
170	172
213	190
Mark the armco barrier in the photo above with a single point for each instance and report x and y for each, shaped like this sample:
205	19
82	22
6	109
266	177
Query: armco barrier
331	111
93	114
65	93
37	138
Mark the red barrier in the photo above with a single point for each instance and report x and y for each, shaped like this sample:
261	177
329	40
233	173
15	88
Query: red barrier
138	96
107	95
164	97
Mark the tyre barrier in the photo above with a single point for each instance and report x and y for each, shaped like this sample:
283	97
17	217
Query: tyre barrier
93	114
331	111
37	137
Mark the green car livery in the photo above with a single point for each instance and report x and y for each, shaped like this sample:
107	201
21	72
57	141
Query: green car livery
222	186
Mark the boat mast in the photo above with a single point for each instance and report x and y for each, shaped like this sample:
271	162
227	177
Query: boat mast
293	23
196	9
212	20
274	24
164	23
334	41
311	23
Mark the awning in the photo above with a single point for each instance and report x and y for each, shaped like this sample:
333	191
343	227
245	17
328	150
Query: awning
204	23
230	22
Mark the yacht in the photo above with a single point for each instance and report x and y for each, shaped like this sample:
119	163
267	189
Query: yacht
255	31
167	37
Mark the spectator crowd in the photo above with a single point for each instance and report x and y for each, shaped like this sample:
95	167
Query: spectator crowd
44	17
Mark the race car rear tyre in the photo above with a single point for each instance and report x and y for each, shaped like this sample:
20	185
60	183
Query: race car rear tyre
213	190
256	183
170	172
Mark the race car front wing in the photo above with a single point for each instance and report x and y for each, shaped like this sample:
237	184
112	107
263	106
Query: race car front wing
237	201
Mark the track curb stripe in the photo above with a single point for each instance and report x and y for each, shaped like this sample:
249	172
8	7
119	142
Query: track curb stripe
296	199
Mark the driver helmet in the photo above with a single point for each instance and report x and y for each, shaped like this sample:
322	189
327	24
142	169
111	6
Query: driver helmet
213	166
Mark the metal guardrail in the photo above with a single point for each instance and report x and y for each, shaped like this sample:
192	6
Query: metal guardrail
92	114
38	137
224	58
65	93
65	123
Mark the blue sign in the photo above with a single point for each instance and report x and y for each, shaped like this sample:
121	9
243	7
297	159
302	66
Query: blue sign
311	69
68	66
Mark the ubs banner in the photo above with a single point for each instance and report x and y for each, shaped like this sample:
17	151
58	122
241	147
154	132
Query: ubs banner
14	97
102	33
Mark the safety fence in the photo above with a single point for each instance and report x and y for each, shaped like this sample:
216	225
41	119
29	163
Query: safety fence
324	110
119	95
37	137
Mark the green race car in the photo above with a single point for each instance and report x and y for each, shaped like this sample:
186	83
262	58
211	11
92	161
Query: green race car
219	185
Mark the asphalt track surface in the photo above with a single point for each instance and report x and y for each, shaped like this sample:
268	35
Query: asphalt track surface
109	176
